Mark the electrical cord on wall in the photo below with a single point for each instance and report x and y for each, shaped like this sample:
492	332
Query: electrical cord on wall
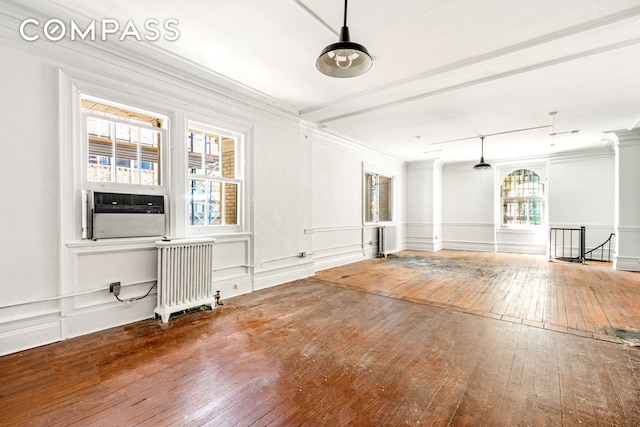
116	293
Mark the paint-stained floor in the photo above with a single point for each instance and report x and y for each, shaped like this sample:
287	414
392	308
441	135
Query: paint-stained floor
346	347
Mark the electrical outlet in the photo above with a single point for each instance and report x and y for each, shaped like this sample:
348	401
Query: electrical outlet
235	286
114	288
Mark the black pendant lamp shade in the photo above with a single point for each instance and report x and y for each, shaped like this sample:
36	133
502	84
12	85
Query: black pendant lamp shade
482	164
345	58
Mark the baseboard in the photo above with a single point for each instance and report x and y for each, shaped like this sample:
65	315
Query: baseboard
426	245
232	282
98	318
469	246
626	263
273	277
330	261
521	248
30	332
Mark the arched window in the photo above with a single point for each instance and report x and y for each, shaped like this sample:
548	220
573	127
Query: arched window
522	194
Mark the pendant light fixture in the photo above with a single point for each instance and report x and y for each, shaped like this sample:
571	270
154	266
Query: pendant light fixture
482	164
345	58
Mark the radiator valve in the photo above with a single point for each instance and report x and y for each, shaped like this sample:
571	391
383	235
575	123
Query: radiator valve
218	302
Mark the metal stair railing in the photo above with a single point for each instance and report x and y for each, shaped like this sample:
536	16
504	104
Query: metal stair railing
554	240
563	242
607	243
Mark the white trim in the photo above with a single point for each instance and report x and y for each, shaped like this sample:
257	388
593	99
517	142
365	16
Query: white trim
324	262
469	224
624	263
426	244
115	186
111	245
343	228
582	155
578	225
100	317
469	246
380	171
525	248
268	278
240	136
30	332
504	169
153	64
513	230
628	228
627	138
349	143
54	298
429	165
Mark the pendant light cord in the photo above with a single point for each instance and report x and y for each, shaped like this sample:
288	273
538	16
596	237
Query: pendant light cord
345	13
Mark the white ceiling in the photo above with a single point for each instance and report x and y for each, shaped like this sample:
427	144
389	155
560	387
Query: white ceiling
443	69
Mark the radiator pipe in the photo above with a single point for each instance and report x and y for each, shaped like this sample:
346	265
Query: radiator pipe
218	302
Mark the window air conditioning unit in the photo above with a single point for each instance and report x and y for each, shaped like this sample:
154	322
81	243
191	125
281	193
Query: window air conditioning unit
112	215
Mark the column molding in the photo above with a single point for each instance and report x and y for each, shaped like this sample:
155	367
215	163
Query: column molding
627	202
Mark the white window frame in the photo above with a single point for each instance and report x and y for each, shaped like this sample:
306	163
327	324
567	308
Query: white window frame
372	170
116	186
74	85
240	135
540	170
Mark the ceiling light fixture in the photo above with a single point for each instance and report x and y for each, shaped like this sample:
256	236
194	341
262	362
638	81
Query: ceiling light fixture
553	128
345	58
482	164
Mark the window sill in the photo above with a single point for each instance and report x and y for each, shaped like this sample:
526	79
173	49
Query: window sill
115	244
522	230
219	236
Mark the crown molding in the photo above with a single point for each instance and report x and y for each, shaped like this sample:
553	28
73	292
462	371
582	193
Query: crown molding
139	63
627	138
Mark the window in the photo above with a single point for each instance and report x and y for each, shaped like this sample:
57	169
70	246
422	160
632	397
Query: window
378	204
522	195
123	145
214	176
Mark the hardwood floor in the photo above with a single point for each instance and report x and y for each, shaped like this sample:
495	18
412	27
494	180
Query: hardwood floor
446	338
588	300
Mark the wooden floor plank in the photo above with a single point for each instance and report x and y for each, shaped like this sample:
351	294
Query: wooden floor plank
447	338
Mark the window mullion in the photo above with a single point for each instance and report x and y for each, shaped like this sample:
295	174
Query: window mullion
223	204
138	156
114	141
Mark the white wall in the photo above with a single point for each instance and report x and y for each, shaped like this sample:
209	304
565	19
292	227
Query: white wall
468	205
424	205
581	193
303	187
338	229
281	205
29	256
303	190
